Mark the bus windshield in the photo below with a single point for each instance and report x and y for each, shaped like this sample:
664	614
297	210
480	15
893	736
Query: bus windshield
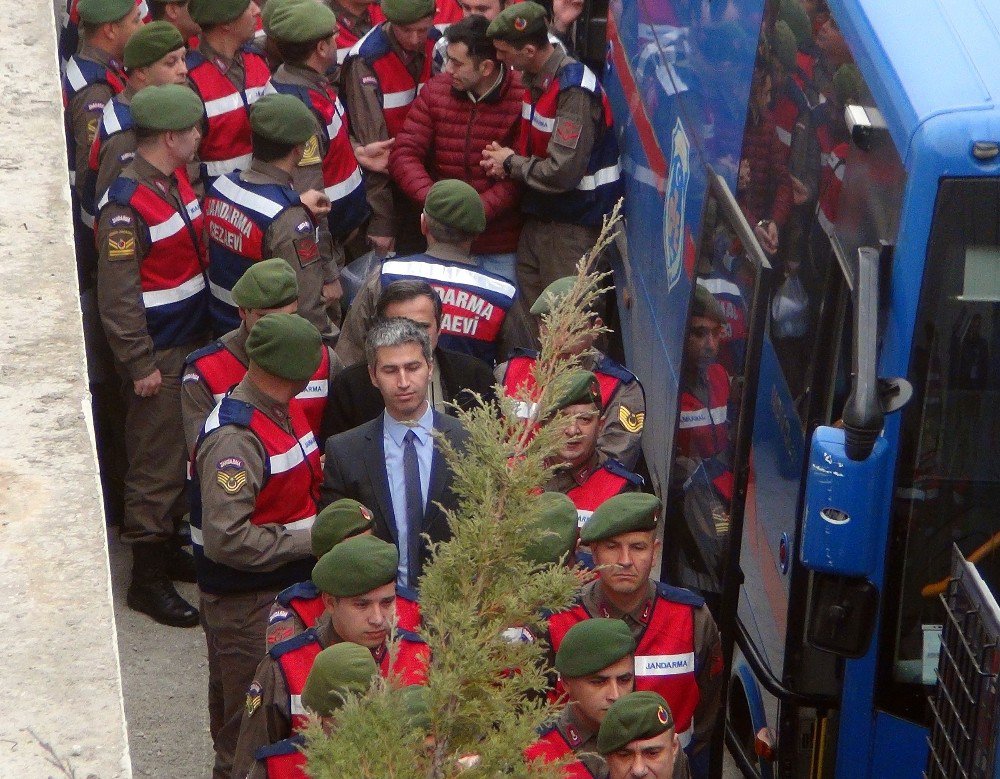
948	480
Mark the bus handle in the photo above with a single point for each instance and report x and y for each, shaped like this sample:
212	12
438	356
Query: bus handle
863	415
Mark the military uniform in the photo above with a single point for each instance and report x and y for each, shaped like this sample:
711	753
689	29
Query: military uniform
569	735
593	483
353	27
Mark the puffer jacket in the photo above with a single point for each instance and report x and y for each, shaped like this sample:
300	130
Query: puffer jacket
444	136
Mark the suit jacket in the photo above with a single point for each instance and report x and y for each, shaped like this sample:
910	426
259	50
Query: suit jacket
355	468
354	400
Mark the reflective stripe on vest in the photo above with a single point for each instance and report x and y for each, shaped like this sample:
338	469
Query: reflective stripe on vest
703	431
225	146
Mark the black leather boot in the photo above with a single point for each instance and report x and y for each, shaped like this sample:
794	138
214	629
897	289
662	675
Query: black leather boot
180	564
151	590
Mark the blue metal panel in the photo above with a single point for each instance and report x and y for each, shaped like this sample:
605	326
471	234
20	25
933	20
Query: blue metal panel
900	748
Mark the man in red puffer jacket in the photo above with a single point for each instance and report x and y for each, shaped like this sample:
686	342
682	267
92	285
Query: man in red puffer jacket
455	116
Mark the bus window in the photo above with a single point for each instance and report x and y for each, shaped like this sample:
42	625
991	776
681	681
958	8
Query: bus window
947	480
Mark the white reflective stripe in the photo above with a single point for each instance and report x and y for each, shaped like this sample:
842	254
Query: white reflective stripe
664	665
600	177
165	229
248	199
450	275
162	297
524	410
222	167
196	537
296	708
301	524
319	388
702	417
72	178
685	737
337	191
398	99
526	111
217	396
110	117
255	93
74	75
221	293
835	163
542	123
104	200
223	105
589	80
719	286
193	209
783	135
280	463
582	516
342	54
86	217
336	123
212	420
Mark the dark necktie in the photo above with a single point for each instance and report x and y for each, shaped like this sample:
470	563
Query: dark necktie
414	506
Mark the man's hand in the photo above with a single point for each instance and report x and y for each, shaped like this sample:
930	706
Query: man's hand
767	233
148	386
382	245
799	192
317	202
493	159
374	156
564	13
332	292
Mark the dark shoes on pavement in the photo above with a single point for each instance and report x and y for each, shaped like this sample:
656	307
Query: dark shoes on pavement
152	591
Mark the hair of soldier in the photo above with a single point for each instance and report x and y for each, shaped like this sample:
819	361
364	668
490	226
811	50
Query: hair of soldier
395	331
297	53
145	134
404	290
445	234
266	150
539	38
472	32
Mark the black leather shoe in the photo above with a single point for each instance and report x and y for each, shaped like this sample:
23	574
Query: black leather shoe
180	564
160	600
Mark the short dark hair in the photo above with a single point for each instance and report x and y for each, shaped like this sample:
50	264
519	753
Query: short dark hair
297	53
404	290
266	150
446	234
472	32
539	38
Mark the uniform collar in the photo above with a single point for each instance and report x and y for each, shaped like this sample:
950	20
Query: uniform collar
147	173
90	52
423	427
407	57
449	253
221	61
249	392
261	172
639	615
302	74
541	80
577	733
236	342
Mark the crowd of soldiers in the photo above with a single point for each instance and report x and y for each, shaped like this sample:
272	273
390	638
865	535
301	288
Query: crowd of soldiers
227	163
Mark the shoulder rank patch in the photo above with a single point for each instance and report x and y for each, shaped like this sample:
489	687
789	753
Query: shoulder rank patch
121	219
630	420
278	633
231	474
91	130
369	81
278	615
121	244
307	251
304	227
310	154
254	698
567	133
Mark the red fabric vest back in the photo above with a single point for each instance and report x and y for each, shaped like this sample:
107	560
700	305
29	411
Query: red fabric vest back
550	747
346	38
225	146
398	87
601	485
407	613
291	765
411	663
519	374
699	432
341	173
309	610
831	179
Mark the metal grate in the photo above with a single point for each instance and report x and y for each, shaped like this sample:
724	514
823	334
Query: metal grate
965	732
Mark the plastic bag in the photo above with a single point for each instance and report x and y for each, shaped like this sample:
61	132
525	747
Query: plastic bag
790	310
354	275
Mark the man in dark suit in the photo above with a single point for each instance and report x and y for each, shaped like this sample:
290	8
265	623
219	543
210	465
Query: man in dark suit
354	400
392	463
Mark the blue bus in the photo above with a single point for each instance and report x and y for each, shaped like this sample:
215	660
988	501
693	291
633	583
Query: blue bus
830	172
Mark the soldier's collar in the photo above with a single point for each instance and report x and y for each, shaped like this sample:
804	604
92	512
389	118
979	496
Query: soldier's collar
640	614
573	728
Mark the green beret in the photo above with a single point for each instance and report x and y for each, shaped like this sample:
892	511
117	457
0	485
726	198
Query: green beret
104	11
625	513
633	717
416	707
356	566
552	294
795	16
592	645
266	284
581	387
705	305
456	204
150	43
407	11
783	44
337	670
299	21
342	519
556	527
847	83
208	12
518	21
282	119
166	107
285	345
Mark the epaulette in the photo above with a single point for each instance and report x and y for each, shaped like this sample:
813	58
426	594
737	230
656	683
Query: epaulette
235	412
286	746
522	351
373	45
679	595
576	74
615	467
611	368
295	642
204	351
409	635
304	590
193	59
121	190
405	593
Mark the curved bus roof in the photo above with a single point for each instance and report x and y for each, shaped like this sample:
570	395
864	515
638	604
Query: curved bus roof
925	58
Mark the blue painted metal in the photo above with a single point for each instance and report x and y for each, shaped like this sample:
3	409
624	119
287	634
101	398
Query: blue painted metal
755	701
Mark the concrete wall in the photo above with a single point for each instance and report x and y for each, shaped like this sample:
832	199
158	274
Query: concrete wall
59	669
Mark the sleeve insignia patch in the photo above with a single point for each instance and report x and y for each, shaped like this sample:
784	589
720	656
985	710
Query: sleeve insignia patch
278	633
91	130
121	219
231	474
121	244
254	698
304	227
568	133
631	421
310	153
369	81
307	250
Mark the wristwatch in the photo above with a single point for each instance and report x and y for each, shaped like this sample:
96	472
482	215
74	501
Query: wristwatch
508	164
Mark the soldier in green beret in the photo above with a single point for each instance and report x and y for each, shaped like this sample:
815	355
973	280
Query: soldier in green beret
556	530
357	579
177	13
595	666
480	316
152	299
256	469
685	666
638	739
566	154
379	79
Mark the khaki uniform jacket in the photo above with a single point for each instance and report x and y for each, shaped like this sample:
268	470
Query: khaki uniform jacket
116	152
84	112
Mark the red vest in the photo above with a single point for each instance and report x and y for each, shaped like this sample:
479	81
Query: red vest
831	180
221	370
346	37
664	658
701	431
304	599
284	760
519	374
225	147
552	746
407	609
611	479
